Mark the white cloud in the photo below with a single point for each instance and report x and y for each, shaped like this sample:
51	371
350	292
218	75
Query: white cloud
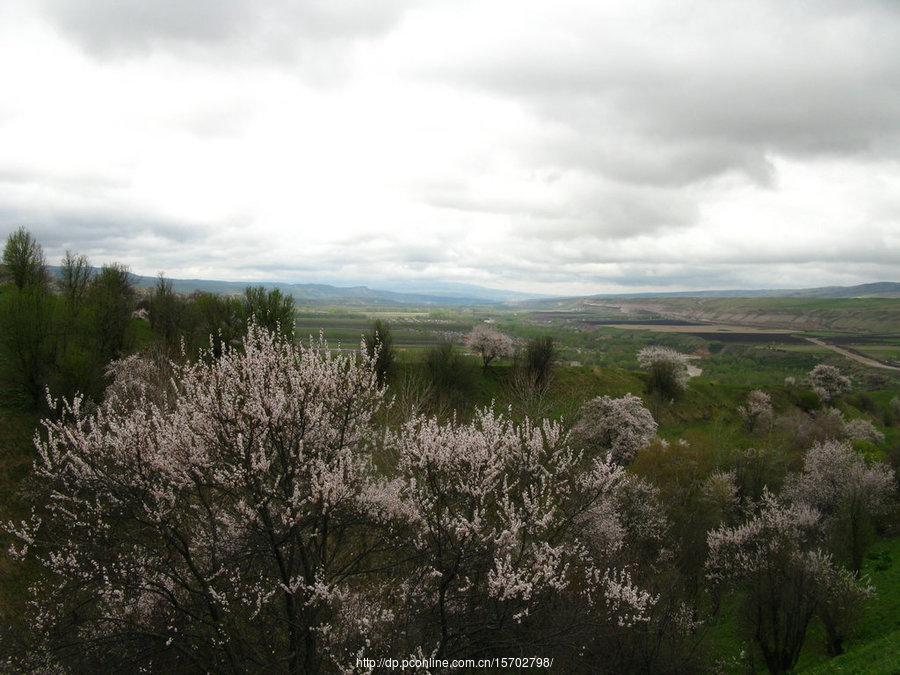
565	147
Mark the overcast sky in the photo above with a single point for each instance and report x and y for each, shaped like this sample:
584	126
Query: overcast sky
559	147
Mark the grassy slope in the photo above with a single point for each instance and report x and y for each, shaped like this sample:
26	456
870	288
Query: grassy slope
16	456
876	646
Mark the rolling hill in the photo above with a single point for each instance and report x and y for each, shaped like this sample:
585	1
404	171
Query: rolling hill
399	292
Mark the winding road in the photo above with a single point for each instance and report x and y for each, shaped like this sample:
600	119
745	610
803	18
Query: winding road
859	358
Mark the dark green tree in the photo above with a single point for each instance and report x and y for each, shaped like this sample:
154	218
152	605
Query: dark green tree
111	300
540	359
27	337
168	315
23	260
219	321
379	343
78	367
26	317
450	373
75	279
270	309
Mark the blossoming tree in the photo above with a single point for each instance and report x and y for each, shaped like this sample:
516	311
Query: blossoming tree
828	382
489	344
847	491
221	531
667	370
863	430
757	413
774	560
500	519
619	426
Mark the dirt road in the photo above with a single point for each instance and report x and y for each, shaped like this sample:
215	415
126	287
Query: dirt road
859	358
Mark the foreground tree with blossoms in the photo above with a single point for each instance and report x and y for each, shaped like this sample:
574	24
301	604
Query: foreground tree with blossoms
848	492
237	521
506	521
220	531
784	577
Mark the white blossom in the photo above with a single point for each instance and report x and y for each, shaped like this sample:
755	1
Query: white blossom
863	430
757	413
488	343
619	426
668	368
828	382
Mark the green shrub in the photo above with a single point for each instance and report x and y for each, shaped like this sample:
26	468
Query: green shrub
804	399
218	322
379	343
451	374
863	402
272	310
540	357
27	339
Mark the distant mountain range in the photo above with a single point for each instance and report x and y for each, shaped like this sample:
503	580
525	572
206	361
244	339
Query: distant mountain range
396	293
880	289
452	289
438	293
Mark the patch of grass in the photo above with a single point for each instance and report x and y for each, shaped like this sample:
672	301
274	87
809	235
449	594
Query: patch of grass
875	646
17	427
878	656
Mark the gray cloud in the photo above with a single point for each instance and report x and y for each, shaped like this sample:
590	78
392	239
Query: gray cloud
695	92
248	29
102	232
526	144
559	208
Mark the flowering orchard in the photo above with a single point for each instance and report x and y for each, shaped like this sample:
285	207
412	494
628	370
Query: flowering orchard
241	522
253	511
